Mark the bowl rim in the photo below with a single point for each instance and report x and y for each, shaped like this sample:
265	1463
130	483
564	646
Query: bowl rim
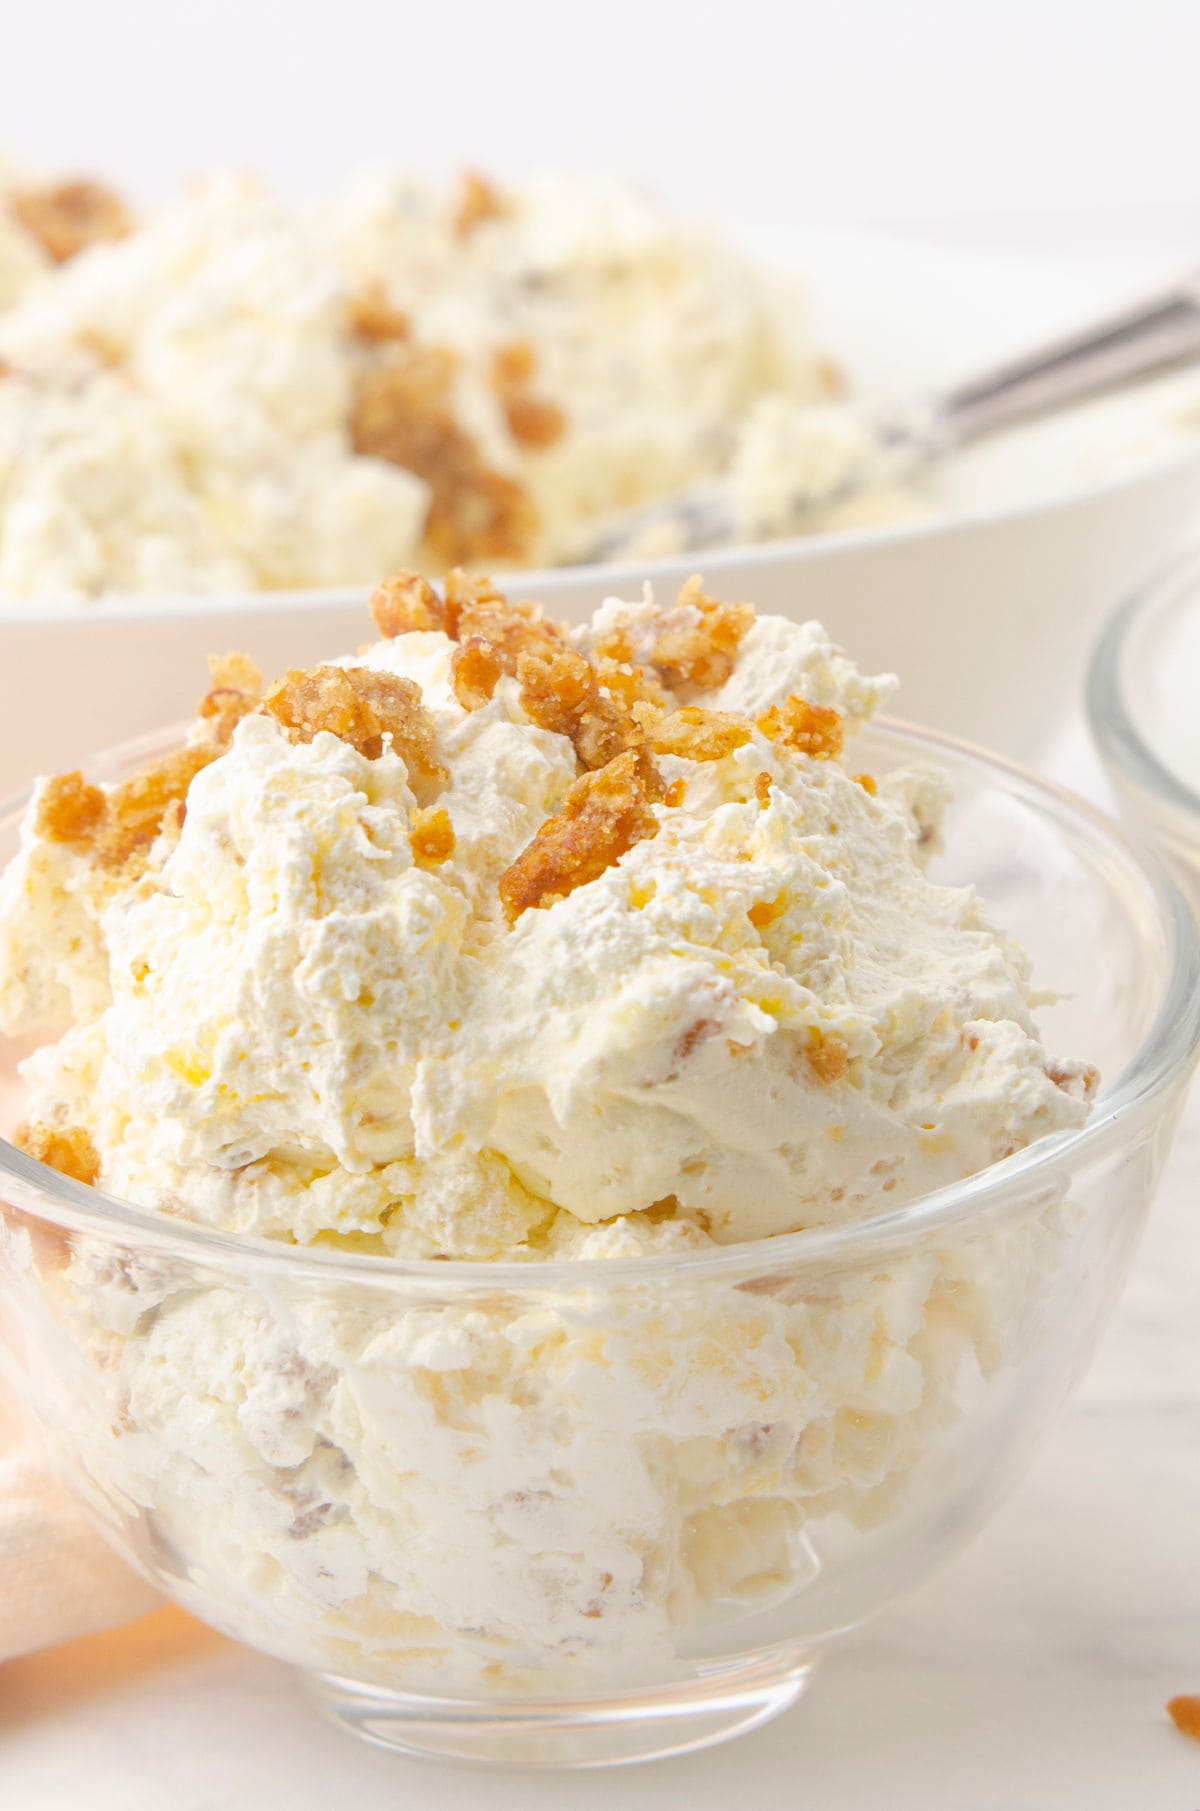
1166	1054
1111	718
609	577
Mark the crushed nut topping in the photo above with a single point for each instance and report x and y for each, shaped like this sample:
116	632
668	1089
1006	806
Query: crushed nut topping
478	200
699	735
360	707
70	216
700	654
603	815
371	318
67	1149
828	1057
402	411
1184	1712
807	729
405	603
431	836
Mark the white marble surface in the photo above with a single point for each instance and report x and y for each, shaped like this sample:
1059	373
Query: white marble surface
1031	1676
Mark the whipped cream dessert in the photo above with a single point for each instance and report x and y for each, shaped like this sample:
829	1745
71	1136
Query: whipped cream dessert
537	948
237	394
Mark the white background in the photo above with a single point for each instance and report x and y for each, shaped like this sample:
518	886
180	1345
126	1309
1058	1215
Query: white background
925	110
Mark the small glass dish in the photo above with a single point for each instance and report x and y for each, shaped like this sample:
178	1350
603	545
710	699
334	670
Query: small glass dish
1143	703
585	1514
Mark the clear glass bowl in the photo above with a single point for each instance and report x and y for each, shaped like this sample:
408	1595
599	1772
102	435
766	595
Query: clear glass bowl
578	1514
1143	700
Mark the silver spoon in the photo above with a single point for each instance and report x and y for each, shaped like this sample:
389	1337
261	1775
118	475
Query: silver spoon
1162	330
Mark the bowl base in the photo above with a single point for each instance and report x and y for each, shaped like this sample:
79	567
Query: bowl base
575	1733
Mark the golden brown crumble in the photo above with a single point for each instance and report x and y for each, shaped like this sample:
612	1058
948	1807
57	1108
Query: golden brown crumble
360	707
370	317
560	692
69	216
404	603
431	835
807	729
402	412
139	805
628	684
67	1149
603	815
475	671
868	783
1184	1712
70	810
532	421
478	200
698	735
117	828
236	690
828	1057
762	787
676	793
700	654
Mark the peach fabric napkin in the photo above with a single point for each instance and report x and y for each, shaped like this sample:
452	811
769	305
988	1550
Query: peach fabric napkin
58	1579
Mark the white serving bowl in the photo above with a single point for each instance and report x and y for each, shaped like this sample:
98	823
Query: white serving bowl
986	610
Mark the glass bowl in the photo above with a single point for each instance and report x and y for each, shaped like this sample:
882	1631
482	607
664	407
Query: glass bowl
579	1514
1142	710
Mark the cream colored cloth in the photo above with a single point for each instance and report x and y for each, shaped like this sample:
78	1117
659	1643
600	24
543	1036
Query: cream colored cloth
58	1579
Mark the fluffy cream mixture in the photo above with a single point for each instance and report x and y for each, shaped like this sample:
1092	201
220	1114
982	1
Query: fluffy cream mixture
312	1012
238	394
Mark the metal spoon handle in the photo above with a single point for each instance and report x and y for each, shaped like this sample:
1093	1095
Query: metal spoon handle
1157	331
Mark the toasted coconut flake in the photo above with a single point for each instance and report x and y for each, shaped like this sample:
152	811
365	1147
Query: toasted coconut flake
404	603
807	729
69	216
699	735
604	814
67	1149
